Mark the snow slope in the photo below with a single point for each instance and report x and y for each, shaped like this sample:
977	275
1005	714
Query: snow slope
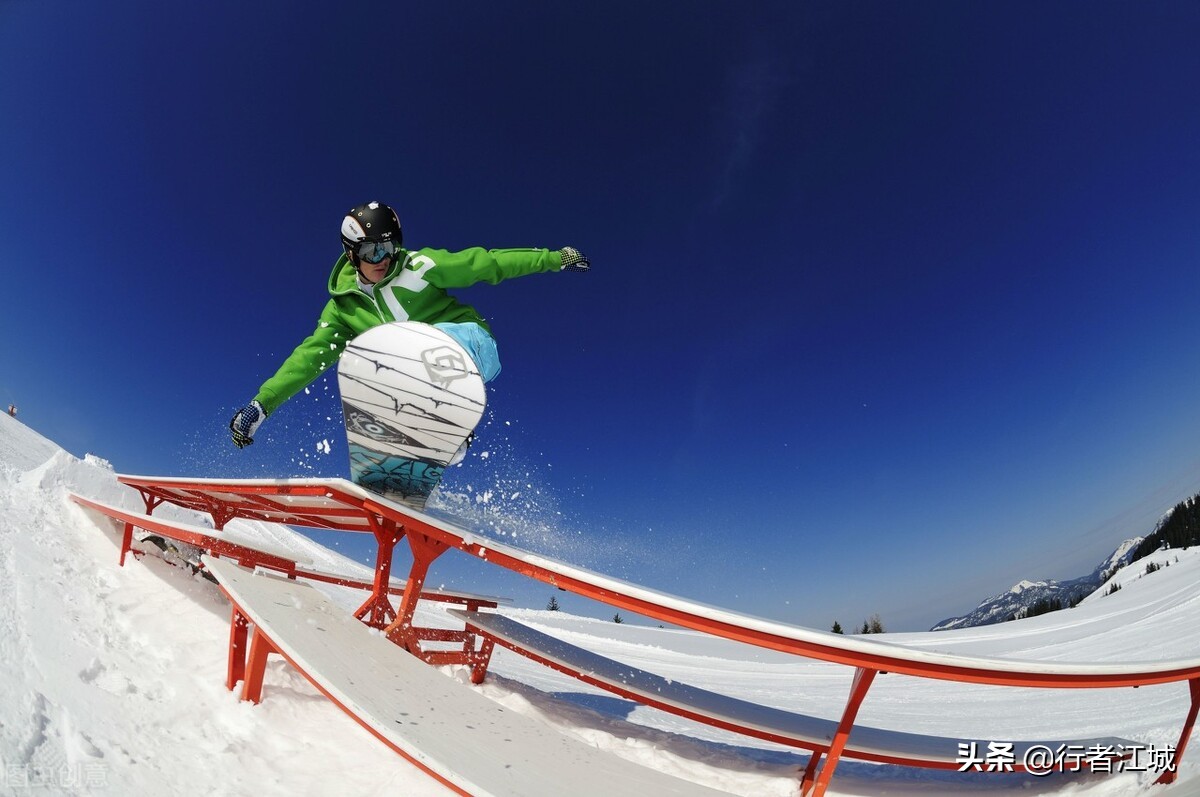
111	679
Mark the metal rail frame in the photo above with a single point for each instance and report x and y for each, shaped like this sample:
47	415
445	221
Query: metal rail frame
345	510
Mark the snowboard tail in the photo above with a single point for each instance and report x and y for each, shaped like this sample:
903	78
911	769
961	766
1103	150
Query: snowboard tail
408	479
411	397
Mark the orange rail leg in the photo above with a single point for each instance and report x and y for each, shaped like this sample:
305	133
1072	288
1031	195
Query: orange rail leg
424	550
152	502
481	660
256	666
1184	735
863	677
236	669
810	771
377	610
126	542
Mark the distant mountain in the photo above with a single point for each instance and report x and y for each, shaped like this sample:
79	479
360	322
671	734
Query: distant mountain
1037	597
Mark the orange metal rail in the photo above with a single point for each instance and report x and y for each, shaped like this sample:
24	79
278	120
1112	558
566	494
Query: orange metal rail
337	504
254	557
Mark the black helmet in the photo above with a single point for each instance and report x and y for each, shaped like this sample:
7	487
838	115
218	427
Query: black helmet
372	221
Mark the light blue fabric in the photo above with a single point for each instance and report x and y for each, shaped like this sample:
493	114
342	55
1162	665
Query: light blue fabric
479	344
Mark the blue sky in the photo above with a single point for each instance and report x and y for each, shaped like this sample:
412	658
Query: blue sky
893	304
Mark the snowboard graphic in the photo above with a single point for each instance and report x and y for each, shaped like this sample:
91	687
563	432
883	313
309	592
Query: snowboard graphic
410	396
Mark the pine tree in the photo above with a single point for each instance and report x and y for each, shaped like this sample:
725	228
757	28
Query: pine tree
1044	606
552	606
837	627
617	618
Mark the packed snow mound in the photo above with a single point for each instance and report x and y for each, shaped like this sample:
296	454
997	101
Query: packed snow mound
111	679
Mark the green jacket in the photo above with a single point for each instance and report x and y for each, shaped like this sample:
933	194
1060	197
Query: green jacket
414	289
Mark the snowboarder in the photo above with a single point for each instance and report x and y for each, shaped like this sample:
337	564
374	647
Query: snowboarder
376	281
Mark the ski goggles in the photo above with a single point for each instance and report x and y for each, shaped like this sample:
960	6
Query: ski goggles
375	251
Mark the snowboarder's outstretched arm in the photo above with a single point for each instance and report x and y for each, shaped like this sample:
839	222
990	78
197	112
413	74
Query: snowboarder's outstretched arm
309	360
445	269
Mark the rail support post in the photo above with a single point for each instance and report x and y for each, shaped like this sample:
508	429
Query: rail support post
236	668
256	665
863	677
480	660
126	542
377	610
151	500
424	550
1184	735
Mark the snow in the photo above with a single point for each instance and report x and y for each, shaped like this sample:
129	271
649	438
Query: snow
112	679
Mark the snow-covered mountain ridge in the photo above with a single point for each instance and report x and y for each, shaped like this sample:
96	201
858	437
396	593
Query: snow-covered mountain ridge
1025	597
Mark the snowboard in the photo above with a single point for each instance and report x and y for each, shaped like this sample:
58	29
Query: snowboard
411	396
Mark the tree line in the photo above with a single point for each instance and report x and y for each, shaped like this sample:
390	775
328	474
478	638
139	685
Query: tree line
1180	529
872	626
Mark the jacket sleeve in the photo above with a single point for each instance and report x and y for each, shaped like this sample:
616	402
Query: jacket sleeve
460	269
317	352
